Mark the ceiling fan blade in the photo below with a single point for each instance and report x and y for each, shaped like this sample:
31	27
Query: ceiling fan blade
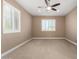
55	5
41	7
46	2
54	9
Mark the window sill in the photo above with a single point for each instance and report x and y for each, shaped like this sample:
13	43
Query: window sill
11	32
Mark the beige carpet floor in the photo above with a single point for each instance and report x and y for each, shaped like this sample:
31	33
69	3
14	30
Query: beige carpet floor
44	49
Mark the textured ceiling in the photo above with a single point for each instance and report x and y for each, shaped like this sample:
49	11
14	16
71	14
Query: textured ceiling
32	7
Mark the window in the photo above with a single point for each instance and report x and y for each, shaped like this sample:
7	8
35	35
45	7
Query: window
48	25
11	18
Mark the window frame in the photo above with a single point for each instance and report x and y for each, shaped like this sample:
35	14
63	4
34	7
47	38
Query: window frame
12	18
47	30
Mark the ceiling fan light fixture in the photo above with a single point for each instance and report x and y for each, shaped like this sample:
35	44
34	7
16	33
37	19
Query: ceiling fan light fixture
48	8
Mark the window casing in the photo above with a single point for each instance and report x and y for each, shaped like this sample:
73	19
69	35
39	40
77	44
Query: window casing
48	25
11	18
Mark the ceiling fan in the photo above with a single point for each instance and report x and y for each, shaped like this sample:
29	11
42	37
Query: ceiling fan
50	7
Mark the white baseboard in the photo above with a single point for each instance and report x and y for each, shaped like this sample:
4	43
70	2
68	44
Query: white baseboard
48	38
55	38
71	41
14	48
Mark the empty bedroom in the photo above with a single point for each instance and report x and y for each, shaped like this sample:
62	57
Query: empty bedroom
39	29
